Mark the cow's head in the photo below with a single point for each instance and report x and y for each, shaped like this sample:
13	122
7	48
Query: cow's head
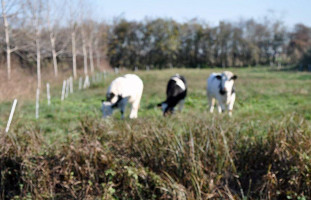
163	106
226	82
107	108
111	97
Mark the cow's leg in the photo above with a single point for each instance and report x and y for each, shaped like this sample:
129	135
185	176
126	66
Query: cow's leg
230	106
135	107
134	111
211	102
122	107
181	105
221	107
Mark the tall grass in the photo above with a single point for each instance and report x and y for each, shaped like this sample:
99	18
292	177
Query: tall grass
262	152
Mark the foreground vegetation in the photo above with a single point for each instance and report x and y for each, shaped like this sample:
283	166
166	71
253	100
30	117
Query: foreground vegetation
262	152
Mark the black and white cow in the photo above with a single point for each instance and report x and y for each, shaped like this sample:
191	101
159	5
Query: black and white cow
221	87
127	88
176	93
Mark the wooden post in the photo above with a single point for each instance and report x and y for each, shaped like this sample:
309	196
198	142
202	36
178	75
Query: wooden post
80	83
11	115
63	90
136	68
116	70
37	103
48	93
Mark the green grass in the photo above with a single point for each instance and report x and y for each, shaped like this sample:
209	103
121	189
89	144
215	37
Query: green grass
261	152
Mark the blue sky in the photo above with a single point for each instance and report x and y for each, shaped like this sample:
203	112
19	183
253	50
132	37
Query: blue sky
211	11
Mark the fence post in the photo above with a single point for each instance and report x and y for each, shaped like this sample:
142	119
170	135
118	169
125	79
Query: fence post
48	93
86	82
11	115
80	83
37	103
116	70
67	88
63	90
71	84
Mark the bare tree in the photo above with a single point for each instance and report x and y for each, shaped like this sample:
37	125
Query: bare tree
84	50
7	37
35	9
52	40
72	24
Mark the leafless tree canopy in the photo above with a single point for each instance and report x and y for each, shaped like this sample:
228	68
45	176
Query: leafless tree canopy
36	32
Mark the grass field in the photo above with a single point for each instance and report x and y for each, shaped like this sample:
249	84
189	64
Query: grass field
262	152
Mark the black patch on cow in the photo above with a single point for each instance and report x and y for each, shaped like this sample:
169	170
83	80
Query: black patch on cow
110	96
218	77
234	77
174	94
221	91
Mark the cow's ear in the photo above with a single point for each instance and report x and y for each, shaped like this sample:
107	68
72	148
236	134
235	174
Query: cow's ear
234	77
218	77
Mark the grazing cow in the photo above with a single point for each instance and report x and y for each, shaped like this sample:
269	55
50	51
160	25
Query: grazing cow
221	87
128	88
176	93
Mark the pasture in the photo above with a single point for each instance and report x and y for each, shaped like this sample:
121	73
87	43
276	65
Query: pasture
263	151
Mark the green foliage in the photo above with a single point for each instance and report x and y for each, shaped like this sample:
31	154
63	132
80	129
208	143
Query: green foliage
163	43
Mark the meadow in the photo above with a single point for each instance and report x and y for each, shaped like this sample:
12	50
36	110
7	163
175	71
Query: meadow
70	152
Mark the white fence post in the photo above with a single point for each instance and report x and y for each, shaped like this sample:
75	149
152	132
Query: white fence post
67	88
37	103
80	83
71	84
116	70
63	90
86	82
48	93
11	115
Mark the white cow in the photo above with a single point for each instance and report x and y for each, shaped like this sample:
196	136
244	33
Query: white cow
128	88
221	87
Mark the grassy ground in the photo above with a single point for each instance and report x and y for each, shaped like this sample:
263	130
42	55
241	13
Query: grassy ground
263	151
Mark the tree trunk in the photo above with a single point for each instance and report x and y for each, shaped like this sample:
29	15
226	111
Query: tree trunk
38	60
91	56
7	40
54	55
74	54
97	55
84	53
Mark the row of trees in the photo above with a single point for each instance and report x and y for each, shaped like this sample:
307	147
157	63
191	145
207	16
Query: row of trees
163	43
65	31
53	31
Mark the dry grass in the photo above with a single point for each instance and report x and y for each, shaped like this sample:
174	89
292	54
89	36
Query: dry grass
263	152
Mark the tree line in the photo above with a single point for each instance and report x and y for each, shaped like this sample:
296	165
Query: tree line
162	43
37	31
